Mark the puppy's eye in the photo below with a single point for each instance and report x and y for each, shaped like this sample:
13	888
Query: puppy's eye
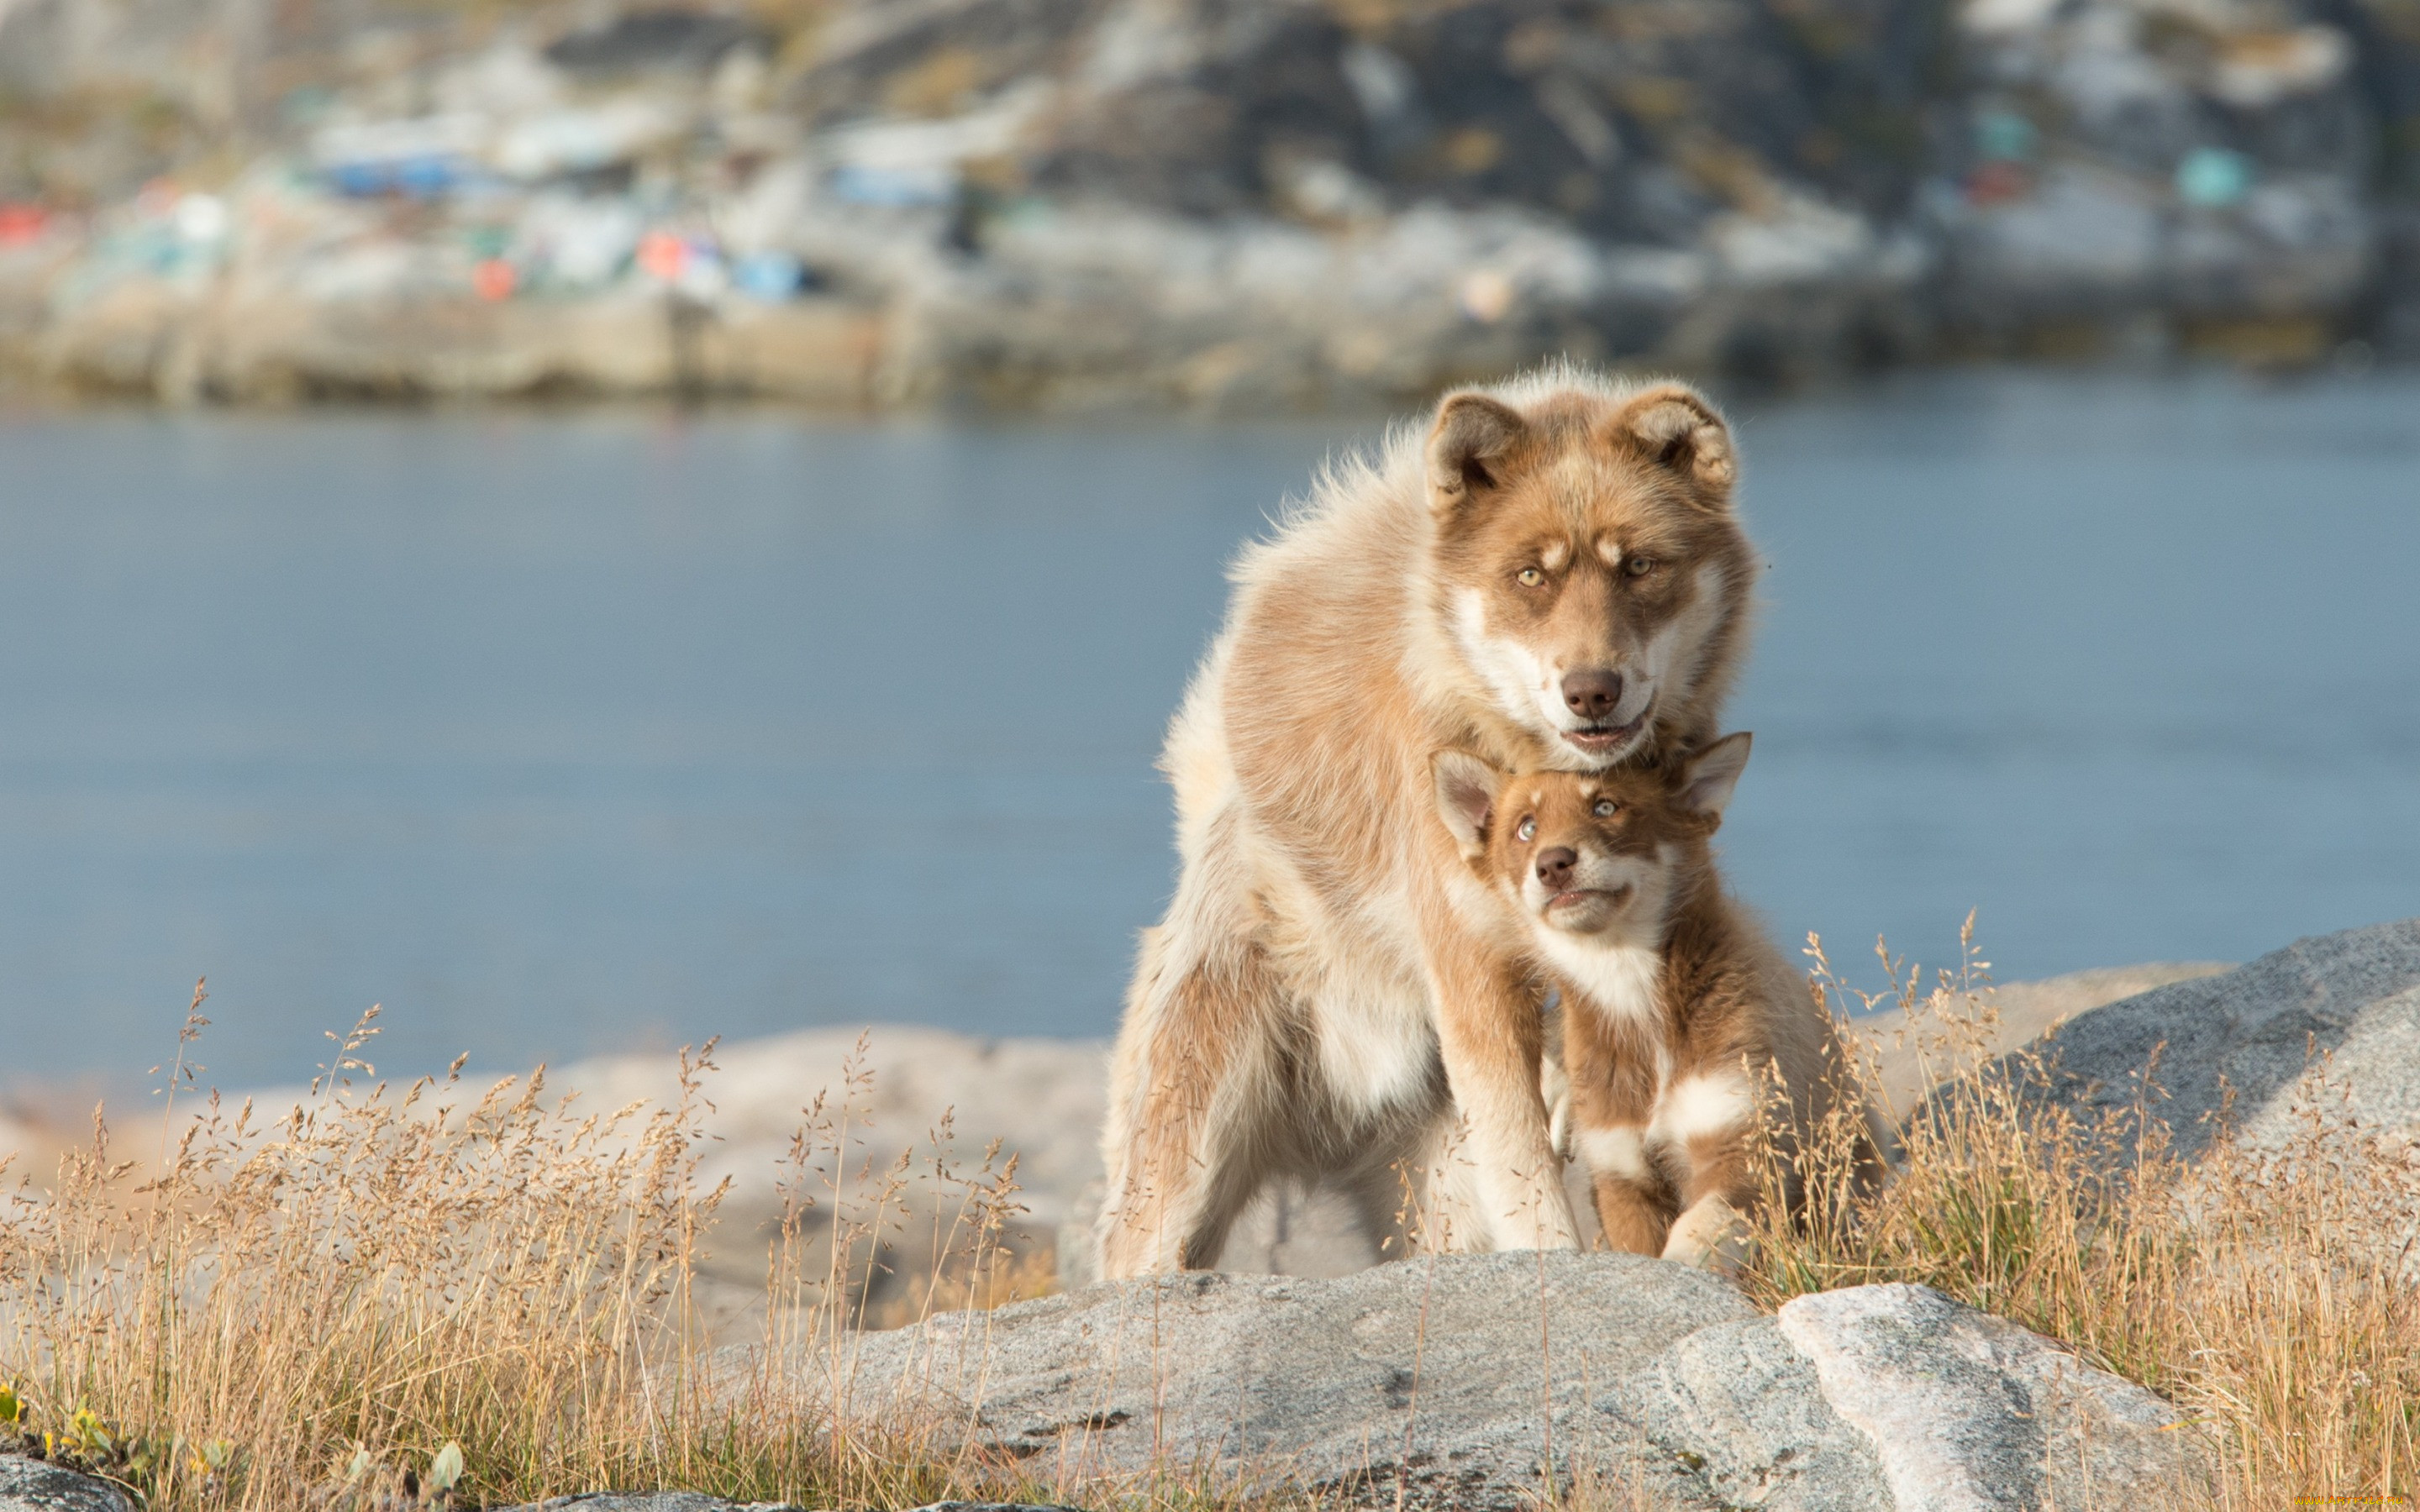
1605	808
1531	577
1638	566
1525	831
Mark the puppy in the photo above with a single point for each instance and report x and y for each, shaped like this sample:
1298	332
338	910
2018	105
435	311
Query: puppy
1678	1016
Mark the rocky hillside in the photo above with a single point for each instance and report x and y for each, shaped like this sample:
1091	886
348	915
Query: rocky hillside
1231	203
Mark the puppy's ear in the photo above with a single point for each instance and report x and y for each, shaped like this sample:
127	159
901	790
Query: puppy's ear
1709	776
1466	796
1473	438
1674	425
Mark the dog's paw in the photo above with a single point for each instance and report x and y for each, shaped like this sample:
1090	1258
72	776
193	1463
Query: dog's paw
1712	1235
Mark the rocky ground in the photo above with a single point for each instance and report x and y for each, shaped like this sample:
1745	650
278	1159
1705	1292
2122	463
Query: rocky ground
1466	1381
1230	204
1472	1382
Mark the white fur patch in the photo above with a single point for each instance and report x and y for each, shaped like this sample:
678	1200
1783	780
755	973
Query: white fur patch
1707	1104
1616	979
1376	1050
1524	687
1620	1150
1555	1086
1679	649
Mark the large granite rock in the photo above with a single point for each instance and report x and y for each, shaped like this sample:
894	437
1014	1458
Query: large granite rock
36	1485
1474	1382
2003	1017
2343	1009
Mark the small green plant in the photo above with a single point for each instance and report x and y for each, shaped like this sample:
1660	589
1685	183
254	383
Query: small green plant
85	1441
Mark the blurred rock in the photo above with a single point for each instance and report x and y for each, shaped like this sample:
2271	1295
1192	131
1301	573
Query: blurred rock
2018	1013
1042	1099
2084	240
2175	165
662	37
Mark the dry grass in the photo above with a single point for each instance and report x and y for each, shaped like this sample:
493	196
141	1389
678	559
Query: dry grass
439	1294
2267	1291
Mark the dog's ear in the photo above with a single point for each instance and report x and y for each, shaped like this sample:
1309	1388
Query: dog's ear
1675	426
1708	778
1473	438
1466	796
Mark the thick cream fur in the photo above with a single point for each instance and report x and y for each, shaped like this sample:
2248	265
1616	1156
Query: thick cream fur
1332	994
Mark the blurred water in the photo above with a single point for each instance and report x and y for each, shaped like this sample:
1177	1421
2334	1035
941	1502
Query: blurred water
566	735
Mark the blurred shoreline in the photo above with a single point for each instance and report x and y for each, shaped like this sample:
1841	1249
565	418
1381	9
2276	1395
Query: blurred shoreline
1255	205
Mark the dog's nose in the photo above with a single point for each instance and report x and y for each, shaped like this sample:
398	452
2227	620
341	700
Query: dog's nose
1592	694
1555	867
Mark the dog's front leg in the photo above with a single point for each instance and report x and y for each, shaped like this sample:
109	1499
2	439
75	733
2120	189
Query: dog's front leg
1491	1037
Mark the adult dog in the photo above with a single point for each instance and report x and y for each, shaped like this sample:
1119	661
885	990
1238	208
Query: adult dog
1553	577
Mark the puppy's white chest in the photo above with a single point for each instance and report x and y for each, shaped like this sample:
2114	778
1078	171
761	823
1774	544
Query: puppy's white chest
1624	982
1621	981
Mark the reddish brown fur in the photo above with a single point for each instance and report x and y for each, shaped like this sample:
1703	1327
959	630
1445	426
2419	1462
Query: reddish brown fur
1715	1002
1330	995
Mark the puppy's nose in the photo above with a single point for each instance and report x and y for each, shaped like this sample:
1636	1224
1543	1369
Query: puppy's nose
1555	867
1592	694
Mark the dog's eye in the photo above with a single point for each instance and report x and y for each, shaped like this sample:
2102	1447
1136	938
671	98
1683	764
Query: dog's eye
1640	566
1526	830
1605	808
1531	577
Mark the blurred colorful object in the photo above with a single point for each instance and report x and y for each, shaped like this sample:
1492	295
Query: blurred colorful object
426	158
21	223
895	188
661	256
2213	178
770	277
2004	136
1997	183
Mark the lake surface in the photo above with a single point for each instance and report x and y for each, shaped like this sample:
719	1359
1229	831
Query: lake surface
559	734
